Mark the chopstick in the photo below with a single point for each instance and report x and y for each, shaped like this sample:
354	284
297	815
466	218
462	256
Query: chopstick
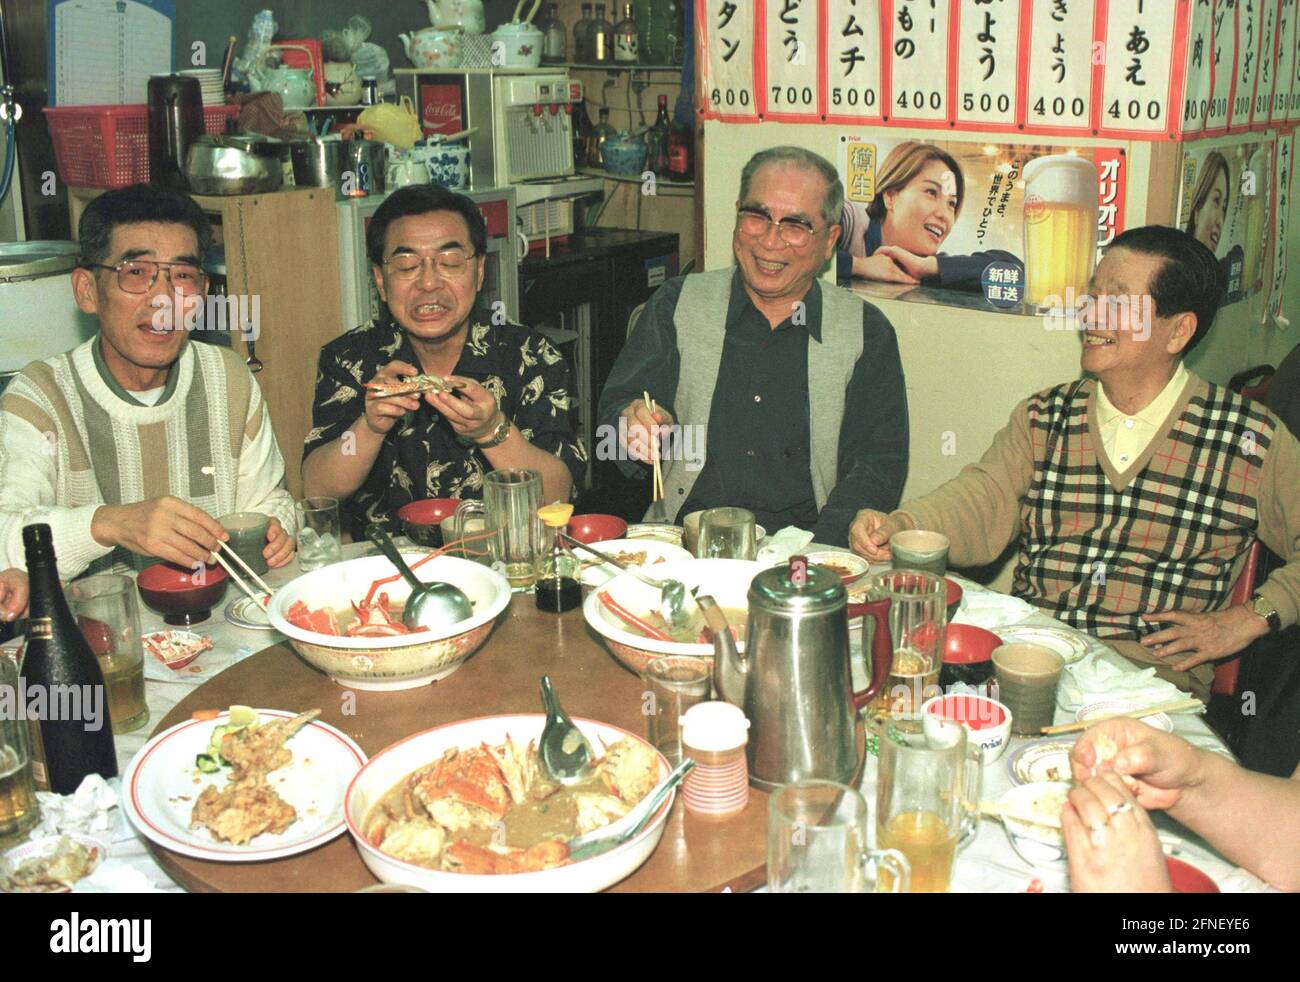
257	598
1175	706
246	568
657	493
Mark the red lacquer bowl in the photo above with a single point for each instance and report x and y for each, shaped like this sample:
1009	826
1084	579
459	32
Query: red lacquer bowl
596	528
172	591
422	520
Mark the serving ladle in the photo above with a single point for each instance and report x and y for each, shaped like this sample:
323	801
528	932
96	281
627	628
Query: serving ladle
676	604
431	606
565	753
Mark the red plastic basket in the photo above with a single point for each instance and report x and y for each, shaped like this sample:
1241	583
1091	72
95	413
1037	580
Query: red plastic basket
108	146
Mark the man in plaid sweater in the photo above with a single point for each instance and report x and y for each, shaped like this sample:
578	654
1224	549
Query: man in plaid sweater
1135	494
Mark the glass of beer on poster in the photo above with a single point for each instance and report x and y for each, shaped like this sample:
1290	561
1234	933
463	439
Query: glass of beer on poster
105	608
18	808
927	802
1060	227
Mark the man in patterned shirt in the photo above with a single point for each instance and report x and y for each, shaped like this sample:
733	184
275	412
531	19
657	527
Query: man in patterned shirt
1135	496
426	247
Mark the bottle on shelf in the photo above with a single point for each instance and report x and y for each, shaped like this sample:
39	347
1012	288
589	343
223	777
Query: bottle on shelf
72	736
627	38
556	37
602	38
681	152
582	136
558	587
582	36
596	142
656	142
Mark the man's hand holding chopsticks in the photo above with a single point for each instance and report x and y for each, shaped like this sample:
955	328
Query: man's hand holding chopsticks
643	424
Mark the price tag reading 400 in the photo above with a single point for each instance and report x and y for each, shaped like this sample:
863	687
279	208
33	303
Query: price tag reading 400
918	61
728	27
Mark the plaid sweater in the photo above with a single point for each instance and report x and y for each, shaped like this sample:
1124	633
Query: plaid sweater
1098	547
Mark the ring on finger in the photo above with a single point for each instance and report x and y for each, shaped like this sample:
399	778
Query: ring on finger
1120	809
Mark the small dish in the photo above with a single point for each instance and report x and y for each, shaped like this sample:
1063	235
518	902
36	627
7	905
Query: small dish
1038	845
1068	645
672	534
175	649
850	566
1117	707
1041	760
595	573
1186	878
247	613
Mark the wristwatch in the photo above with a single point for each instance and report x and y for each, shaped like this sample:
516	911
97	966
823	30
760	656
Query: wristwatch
1267	611
497	436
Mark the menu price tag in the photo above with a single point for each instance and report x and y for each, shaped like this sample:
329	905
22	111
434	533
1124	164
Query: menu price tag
988	49
728	29
1284	44
1281	210
1223	67
1266	73
1250	27
1293	98
1059	76
853	66
917	37
1139	79
1200	59
791	37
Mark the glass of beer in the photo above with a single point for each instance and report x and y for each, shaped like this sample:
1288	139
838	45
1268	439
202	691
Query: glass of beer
927	802
1060	227
918	620
105	608
817	843
508	511
18	808
727	533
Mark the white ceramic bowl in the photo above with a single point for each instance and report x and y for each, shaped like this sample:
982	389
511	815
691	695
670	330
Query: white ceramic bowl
1037	845
402	662
850	566
987	721
598	573
386	768
725	580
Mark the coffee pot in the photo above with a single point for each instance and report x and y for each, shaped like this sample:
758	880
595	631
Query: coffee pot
175	122
793	681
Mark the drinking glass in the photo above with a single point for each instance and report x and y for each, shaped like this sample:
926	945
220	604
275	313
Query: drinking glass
918	619
672	686
1028	675
19	810
817	843
106	611
248	531
727	533
927	802
320	534
511	498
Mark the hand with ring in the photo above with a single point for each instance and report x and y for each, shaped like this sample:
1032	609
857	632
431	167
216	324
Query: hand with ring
1111	843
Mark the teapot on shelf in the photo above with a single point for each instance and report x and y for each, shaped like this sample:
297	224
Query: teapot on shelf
464	15
433	47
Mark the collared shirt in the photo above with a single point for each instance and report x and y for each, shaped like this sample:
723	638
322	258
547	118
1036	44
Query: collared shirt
759	446
422	456
1125	437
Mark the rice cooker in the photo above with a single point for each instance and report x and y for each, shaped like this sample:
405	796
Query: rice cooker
41	318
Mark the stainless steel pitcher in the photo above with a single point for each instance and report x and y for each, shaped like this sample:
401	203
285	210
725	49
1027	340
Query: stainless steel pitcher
793	681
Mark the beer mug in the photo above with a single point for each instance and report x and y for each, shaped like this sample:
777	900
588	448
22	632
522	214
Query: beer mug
1060	226
19	810
927	802
512	530
817	843
106	611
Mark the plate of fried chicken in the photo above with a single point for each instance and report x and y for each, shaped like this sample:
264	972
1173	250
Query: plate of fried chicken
242	786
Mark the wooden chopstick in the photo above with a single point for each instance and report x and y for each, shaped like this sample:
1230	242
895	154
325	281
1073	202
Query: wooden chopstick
257	598
657	492
246	568
1176	706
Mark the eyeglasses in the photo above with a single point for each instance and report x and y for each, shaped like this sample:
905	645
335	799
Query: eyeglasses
794	232
451	264
139	275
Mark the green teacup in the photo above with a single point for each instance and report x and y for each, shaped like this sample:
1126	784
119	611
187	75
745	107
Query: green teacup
248	531
920	550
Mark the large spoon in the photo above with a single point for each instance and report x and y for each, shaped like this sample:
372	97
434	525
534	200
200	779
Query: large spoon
565	753
676	604
612	836
431	606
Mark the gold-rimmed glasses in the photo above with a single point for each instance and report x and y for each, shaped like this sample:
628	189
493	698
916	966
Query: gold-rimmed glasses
450	263
794	232
140	275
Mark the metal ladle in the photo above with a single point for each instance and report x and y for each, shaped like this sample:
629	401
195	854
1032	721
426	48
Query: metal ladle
565	753
431	606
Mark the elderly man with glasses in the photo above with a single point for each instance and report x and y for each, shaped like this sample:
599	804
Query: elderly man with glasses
131	443
380	444
795	386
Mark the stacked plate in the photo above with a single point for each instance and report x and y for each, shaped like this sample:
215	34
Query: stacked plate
214	93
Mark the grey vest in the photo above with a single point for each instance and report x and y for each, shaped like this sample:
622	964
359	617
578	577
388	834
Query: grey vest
700	319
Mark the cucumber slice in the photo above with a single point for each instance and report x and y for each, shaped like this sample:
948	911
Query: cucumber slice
207	763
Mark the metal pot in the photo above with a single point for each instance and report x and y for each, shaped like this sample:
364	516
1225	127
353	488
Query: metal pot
364	163
318	164
235	164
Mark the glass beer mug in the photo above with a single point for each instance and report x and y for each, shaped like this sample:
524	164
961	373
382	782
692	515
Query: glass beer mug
1060	226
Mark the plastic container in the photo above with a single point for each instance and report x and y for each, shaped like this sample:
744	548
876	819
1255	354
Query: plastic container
714	735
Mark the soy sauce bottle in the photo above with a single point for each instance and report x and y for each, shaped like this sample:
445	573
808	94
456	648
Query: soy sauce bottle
71	735
558	586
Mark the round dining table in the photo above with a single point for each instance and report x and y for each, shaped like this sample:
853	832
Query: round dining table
695	855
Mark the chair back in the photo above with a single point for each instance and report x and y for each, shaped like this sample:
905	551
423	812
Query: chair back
1227	671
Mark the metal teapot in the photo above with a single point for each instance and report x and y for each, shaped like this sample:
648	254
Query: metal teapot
794	682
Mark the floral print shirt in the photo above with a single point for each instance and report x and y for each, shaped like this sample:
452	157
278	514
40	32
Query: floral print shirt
422	457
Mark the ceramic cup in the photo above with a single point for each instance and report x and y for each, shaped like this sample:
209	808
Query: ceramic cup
1028	675
919	550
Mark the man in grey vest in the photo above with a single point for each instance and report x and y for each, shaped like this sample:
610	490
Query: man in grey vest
774	392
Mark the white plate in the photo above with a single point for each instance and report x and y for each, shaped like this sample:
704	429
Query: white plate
1118	707
857	566
657	531
161	785
247	613
598	573
1041	760
1068	645
392	764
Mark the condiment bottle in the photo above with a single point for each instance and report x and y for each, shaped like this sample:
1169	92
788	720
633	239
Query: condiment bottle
714	735
558	586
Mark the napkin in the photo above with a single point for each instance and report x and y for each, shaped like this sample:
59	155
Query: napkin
989	610
784	544
1094	679
85	810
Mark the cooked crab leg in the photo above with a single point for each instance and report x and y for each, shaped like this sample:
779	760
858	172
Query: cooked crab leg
255	751
412	385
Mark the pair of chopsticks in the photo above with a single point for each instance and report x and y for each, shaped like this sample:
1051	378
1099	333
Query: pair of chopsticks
1176	706
257	598
657	493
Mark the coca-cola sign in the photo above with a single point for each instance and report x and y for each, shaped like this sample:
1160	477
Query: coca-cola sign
441	109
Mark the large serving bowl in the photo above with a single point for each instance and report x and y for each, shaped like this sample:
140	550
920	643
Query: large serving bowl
171	590
386	768
401	662
725	580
